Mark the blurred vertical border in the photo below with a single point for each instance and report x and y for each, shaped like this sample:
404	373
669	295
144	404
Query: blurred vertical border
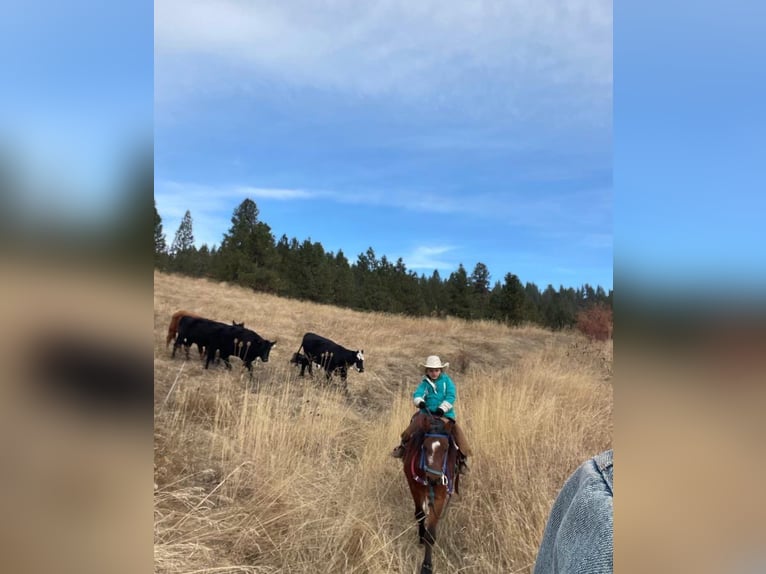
76	187
690	278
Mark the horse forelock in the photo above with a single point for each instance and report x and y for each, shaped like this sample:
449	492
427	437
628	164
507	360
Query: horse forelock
432	451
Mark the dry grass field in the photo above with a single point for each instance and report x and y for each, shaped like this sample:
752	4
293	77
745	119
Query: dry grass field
287	474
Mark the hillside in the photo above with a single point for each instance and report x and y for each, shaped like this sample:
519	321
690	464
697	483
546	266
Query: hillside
283	474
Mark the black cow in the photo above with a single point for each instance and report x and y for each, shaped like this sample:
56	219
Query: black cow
194	330
230	340
328	355
225	339
191	329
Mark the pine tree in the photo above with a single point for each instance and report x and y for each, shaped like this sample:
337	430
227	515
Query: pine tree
532	300
508	300
247	254
559	308
202	261
435	294
160	246
184	239
182	252
479	281
372	295
290	266
343	286
459	294
314	279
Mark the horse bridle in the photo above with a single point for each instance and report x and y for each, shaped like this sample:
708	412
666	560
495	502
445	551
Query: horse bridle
442	474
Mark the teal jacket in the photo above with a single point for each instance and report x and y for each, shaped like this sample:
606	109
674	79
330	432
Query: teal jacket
440	393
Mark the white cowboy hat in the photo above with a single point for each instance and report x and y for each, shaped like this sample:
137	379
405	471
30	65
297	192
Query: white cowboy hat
434	362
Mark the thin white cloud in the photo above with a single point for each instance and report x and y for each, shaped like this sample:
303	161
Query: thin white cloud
429	257
563	213
269	193
211	195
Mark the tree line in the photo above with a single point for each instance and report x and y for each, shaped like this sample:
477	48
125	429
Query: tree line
249	255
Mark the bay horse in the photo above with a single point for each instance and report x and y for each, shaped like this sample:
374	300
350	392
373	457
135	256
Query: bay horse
429	465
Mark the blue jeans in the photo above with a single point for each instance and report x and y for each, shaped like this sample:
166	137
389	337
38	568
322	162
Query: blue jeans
579	533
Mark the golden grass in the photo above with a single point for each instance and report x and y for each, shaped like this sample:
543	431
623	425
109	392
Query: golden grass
283	474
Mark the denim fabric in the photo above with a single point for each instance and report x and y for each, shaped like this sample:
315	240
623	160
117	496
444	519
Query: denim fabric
578	535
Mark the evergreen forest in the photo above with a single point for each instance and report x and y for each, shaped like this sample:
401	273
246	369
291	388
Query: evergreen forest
250	255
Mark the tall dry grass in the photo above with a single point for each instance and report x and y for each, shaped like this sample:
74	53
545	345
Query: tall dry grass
283	474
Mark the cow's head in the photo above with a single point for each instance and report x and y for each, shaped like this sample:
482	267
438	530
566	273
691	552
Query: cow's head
265	349
253	349
359	363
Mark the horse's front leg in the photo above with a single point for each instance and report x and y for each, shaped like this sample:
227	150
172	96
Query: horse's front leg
420	516
427	567
428	537
429	526
429	532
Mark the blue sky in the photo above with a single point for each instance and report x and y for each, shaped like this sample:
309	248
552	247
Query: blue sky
76	104
441	138
478	133
689	147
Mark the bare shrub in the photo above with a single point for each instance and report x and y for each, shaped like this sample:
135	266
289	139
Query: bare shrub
596	322
461	361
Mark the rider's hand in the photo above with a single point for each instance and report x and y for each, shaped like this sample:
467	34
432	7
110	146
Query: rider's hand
439	412
421	404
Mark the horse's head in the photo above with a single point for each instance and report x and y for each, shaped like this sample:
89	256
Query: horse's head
435	448
435	453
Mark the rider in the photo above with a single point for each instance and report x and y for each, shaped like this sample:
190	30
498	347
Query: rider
436	393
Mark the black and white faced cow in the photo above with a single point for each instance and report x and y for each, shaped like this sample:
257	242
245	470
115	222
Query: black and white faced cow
328	355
